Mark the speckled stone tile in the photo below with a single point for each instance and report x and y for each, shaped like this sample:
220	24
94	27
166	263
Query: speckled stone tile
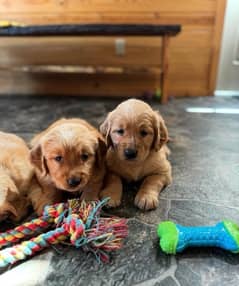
138	261
205	190
191	212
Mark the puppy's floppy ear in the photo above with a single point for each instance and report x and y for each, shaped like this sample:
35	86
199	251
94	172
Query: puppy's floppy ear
101	151
160	132
38	160
105	129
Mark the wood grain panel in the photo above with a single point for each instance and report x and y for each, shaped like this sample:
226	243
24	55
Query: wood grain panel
85	85
29	6
191	50
111	17
139	51
76	84
36	6
193	53
140	5
215	51
191	88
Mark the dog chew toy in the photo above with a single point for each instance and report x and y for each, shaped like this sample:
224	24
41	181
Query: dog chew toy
175	238
78	222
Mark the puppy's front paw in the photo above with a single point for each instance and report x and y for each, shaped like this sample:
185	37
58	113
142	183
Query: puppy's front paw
146	201
113	203
8	210
115	198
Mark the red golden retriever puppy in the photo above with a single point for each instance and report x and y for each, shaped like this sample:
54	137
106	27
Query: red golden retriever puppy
136	137
17	180
68	156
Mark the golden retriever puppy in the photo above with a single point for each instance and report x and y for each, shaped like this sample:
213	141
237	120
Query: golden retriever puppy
68	156
17	180
136	137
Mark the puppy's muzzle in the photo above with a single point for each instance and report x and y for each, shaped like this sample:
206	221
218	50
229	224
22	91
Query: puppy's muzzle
73	182
130	153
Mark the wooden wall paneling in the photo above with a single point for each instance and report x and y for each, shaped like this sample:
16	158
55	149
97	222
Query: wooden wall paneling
193	54
189	61
74	84
216	45
165	65
140	5
113	17
140	51
31	6
86	6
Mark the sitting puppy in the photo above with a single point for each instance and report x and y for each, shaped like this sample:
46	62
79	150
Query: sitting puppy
17	181
136	137
68	156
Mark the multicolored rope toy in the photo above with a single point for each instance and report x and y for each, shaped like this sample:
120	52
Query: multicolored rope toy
175	238
78	222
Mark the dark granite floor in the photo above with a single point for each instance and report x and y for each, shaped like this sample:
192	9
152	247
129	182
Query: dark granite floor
205	160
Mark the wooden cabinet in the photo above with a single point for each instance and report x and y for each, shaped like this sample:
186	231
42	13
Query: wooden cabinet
193	53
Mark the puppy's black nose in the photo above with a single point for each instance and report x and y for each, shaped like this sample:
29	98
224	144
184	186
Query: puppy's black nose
73	182
130	153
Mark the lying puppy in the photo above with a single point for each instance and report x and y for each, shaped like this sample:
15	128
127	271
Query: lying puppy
68	156
136	137
17	181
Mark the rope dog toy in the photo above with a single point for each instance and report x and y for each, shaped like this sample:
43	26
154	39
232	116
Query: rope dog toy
78	222
175	238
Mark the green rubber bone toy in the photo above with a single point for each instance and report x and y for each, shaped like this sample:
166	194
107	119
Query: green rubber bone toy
175	238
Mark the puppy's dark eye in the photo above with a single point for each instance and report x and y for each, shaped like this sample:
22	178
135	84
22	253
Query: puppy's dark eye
58	158
120	131
84	157
143	133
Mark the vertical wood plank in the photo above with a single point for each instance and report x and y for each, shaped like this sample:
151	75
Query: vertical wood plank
216	45
165	64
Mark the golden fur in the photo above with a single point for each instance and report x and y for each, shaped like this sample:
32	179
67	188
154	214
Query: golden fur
81	149
17	181
134	125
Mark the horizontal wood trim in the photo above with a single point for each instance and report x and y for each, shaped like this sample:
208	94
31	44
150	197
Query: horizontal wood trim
29	6
134	70
192	18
